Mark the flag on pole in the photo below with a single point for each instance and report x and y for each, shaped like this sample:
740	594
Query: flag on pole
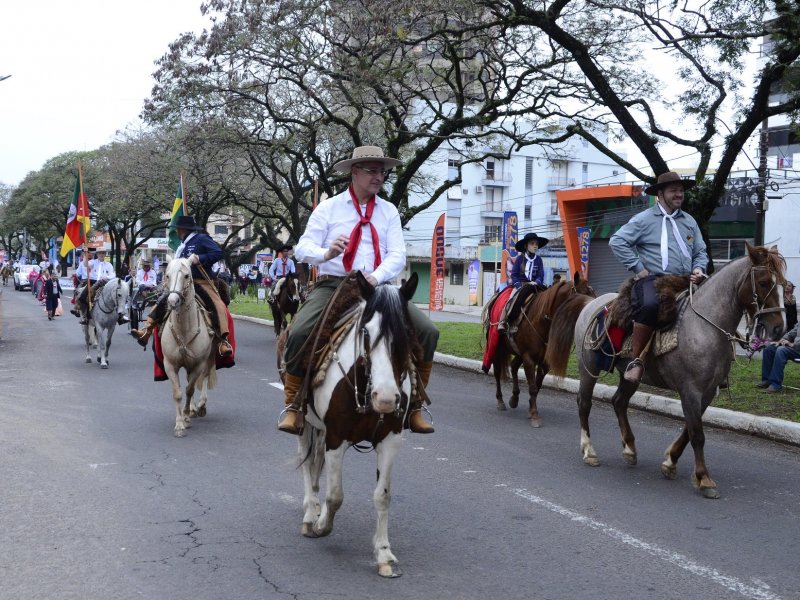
178	210
78	223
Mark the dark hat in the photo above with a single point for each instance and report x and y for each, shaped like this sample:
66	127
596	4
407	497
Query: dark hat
530	237
666	179
187	222
284	248
366	154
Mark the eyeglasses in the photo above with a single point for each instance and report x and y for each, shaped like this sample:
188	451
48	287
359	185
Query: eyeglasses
373	172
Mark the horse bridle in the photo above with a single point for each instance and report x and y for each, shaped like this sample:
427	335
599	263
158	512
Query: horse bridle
112	308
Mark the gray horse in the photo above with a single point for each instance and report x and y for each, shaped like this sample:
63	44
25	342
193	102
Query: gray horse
108	309
750	285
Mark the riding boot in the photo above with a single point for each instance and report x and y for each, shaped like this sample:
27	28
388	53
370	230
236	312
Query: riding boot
143	335
416	421
293	420
225	348
639	343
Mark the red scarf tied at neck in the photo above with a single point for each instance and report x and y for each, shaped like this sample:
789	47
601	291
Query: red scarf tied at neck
355	235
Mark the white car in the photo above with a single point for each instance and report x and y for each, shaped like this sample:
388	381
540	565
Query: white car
21	274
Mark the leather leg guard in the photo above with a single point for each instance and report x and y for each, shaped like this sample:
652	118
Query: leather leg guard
292	420
639	346
416	420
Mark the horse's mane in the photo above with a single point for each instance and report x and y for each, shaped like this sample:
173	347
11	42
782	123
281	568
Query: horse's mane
562	330
395	324
768	257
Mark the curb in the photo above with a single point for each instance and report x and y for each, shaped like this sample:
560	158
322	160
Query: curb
778	430
770	428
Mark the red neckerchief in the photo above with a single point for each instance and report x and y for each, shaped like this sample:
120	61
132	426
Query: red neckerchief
355	235
283	267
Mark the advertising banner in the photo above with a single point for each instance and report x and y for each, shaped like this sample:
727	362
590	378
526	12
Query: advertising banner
510	232
473	276
436	301
584	233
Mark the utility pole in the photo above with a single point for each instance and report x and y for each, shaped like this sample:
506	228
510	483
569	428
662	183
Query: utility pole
762	184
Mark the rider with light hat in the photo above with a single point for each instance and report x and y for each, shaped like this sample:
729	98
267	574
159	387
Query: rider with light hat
202	251
660	240
354	230
100	272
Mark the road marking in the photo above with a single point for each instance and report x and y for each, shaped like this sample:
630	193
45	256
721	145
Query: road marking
277	384
684	562
95	465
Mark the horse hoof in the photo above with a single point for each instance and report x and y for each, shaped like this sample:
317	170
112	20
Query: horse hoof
88	360
630	459
710	492
501	405
536	423
669	471
389	570
592	461
179	433
514	401
201	412
104	366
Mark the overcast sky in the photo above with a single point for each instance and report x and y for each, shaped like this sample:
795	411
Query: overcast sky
80	70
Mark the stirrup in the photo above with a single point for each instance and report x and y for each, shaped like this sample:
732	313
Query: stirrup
419	410
636	362
295	429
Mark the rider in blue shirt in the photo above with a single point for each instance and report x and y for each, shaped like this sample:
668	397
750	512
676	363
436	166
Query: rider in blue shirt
527	276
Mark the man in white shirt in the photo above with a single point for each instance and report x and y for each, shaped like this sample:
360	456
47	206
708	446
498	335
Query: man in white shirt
145	278
100	272
354	230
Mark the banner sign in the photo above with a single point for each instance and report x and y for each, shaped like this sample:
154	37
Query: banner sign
510	232
504	272
584	233
473	276
436	301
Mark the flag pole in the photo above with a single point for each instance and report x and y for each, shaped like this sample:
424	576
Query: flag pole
85	244
313	275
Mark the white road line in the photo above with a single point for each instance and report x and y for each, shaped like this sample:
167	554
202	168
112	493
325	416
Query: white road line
277	384
679	560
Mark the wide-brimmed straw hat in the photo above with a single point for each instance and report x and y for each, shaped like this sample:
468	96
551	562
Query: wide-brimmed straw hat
366	154
530	237
666	179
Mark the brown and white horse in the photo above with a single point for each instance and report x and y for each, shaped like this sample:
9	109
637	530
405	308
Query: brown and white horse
363	398
750	285
285	303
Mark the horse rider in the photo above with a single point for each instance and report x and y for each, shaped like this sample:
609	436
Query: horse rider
201	250
100	272
145	280
354	230
282	266
660	240
527	276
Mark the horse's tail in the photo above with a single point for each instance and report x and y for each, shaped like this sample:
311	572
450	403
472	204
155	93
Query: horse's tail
212	377
562	331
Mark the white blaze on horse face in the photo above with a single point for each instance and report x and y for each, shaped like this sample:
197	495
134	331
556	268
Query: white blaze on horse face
385	393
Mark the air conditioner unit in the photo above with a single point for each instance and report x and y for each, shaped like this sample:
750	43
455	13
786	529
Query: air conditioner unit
478	189
465	190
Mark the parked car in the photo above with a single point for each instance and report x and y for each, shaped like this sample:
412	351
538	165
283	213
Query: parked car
21	275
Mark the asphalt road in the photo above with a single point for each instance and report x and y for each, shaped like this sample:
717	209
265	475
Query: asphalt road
99	500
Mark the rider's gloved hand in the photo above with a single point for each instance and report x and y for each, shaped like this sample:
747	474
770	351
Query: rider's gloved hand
194	259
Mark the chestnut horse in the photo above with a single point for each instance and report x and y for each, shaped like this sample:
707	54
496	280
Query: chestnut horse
528	344
363	397
750	286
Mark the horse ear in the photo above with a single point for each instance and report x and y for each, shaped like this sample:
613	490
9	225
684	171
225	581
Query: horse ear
576	279
409	287
366	287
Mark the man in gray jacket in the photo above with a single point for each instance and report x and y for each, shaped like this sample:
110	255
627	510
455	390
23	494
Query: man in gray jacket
773	362
658	241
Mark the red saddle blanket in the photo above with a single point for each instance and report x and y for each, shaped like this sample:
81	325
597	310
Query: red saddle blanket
222	362
493	336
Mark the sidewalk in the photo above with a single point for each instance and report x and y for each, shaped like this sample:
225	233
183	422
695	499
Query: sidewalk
777	430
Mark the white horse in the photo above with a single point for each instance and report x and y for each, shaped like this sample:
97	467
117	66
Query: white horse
187	342
107	309
363	398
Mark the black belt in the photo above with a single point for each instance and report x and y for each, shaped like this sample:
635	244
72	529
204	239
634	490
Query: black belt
330	277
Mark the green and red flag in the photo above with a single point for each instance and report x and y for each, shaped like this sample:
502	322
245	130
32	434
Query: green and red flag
178	210
78	223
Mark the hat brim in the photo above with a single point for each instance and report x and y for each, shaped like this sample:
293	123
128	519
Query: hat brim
520	245
344	166
653	189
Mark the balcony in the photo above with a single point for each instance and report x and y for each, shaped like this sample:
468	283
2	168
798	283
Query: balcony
560	183
497	179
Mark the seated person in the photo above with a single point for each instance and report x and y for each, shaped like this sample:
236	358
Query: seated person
774	359
527	276
100	271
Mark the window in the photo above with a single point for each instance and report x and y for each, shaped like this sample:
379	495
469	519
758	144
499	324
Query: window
528	173
584	172
553	205
490	168
492	230
726	250
456	273
528	211
453	208
494	199
220	229
452	224
161	232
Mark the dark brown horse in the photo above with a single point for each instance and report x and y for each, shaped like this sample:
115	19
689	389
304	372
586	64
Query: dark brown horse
527	346
750	285
286	303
